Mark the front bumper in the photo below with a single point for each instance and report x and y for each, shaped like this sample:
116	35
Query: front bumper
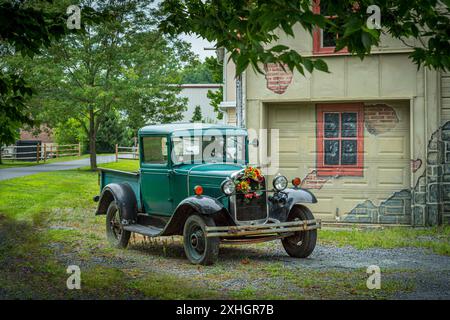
266	229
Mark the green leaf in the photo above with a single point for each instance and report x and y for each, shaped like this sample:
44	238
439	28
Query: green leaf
308	64
320	65
279	48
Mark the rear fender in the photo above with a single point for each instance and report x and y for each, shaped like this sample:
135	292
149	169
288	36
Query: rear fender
125	198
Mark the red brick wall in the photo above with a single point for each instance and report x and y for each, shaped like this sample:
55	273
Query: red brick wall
45	135
277	79
379	118
312	181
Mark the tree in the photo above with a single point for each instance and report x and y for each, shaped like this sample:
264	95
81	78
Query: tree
216	97
112	131
196	72
25	28
122	65
248	29
197	116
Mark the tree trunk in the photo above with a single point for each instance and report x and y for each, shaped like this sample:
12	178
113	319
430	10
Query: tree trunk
92	139
0	154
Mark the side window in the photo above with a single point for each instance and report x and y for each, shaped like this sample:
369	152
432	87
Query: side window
155	150
186	150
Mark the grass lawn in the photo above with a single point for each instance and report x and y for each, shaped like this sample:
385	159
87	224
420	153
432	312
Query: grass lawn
437	238
47	223
122	164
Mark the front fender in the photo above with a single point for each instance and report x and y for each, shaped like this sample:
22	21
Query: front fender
125	198
203	205
287	199
299	196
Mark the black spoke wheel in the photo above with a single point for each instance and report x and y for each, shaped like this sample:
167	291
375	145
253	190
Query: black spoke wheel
198	248
115	233
302	243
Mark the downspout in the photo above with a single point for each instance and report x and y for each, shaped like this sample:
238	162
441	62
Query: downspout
239	113
244	99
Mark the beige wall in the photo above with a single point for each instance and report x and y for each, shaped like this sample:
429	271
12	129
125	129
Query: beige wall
381	77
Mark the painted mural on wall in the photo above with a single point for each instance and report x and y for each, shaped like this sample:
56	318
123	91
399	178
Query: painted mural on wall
379	118
277	78
428	203
313	181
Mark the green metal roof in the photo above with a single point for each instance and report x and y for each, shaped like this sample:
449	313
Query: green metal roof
191	127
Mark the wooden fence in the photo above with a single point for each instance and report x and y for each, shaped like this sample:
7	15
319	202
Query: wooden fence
127	152
40	152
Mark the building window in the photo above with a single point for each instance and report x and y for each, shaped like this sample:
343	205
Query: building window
324	41
340	139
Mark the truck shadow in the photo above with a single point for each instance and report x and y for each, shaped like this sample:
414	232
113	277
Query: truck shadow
173	249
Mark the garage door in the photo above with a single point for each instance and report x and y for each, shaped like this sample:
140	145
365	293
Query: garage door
350	177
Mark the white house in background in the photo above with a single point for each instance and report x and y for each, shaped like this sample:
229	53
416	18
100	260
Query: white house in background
197	96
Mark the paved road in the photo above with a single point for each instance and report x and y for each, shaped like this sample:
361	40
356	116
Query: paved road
10	173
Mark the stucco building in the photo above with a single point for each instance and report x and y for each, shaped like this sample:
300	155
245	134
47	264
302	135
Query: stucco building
371	138
197	96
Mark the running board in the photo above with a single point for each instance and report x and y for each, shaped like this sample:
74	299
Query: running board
144	230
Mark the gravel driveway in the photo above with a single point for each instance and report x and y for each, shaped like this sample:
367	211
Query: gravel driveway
10	173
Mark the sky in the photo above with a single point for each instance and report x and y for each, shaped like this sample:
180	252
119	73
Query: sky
198	44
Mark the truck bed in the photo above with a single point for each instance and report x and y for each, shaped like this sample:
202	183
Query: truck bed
107	176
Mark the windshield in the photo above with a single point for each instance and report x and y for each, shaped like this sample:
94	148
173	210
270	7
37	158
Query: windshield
208	149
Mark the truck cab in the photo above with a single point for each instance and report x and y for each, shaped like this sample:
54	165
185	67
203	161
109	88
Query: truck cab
194	180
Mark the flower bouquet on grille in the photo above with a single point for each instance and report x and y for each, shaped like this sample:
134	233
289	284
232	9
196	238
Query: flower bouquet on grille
250	184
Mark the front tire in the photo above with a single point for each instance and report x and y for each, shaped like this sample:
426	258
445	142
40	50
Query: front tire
302	243
117	236
198	248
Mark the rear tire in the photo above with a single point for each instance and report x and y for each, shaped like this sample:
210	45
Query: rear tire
114	229
198	248
302	243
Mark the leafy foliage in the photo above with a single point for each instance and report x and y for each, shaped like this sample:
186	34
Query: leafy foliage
249	29
216	97
25	28
196	72
112	131
122	66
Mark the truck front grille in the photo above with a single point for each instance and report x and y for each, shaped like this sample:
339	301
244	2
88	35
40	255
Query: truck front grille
250	210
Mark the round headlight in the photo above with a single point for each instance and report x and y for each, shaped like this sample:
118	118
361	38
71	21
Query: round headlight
280	183
228	187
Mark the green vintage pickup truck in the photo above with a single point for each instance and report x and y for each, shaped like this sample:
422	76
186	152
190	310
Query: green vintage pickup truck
195	181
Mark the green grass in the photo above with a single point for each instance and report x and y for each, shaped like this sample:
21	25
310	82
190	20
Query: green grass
36	195
15	164
437	238
123	165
